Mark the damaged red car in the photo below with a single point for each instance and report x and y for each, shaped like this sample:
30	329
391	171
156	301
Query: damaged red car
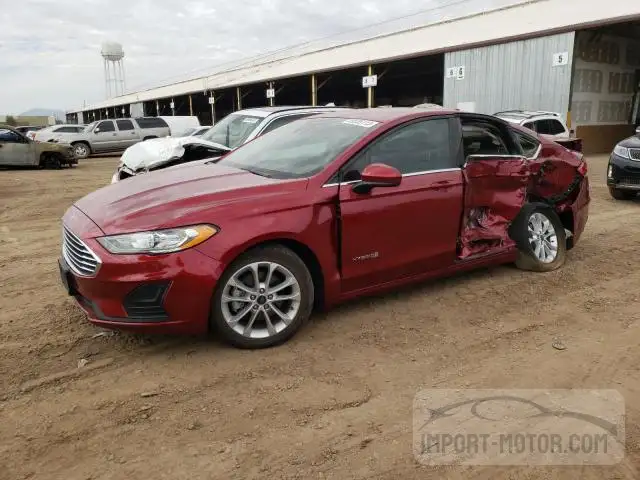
320	211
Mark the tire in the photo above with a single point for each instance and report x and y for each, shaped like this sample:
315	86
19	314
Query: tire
227	316
621	194
50	161
535	254
81	149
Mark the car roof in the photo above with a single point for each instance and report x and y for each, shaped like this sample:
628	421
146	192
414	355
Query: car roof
384	115
522	115
268	111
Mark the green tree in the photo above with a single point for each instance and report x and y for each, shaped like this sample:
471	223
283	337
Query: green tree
11	121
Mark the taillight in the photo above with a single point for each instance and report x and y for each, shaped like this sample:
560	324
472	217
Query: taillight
583	168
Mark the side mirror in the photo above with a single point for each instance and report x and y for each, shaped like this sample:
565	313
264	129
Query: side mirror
638	131
377	175
97	130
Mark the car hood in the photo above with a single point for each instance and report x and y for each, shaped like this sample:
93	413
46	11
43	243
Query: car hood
631	142
157	151
181	196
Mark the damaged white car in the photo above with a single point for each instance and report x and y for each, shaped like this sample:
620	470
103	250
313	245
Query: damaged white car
230	133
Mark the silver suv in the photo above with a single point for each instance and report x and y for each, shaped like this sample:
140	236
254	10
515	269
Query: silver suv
105	136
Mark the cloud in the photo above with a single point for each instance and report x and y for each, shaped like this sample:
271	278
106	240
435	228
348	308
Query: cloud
50	49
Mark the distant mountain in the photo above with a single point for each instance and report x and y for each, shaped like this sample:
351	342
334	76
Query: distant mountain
43	112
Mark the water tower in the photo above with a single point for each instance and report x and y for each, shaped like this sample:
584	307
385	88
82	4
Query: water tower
113	56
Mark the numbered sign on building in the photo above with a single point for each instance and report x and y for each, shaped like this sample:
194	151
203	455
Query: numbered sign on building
271	93
370	81
212	100
560	59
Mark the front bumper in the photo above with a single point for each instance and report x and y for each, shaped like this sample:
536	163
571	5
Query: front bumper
167	294
625	173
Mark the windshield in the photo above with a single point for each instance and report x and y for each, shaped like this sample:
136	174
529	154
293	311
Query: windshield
232	130
186	133
300	149
89	127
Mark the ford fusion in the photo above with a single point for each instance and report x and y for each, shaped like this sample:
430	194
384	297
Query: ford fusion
322	210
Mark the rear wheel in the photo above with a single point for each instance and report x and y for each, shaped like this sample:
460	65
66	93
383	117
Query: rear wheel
621	194
81	150
541	238
263	298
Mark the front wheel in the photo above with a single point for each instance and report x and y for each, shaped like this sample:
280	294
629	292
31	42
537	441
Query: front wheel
621	194
263	298
81	150
541	238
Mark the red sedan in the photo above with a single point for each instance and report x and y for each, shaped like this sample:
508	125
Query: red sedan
322	210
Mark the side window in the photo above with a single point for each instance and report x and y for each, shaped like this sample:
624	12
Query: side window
555	127
528	144
151	122
124	125
9	136
419	147
483	138
282	121
106	126
66	130
530	126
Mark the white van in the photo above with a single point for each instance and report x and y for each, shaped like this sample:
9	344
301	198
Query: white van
179	124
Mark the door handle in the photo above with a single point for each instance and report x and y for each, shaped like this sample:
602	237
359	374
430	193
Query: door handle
114	134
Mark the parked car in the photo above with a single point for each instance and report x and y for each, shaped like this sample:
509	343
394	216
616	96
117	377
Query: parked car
55	133
623	172
543	123
231	132
28	128
193	132
16	150
116	135
548	124
178	123
321	210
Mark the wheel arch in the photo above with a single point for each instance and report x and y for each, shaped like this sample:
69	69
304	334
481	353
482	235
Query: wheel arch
306	254
82	141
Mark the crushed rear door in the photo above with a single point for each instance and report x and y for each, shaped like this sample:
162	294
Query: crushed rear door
495	191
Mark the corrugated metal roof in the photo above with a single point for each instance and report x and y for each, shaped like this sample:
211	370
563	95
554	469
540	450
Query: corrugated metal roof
456	25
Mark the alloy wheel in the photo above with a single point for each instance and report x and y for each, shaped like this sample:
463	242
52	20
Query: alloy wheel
261	300
543	238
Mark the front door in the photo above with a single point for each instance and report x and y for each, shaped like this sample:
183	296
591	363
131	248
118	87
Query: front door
396	232
104	137
16	150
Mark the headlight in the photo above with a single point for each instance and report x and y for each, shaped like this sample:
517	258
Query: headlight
610	171
621	151
159	241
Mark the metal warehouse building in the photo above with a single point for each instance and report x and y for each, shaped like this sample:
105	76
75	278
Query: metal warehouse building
580	58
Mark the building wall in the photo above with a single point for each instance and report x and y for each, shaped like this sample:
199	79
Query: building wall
509	76
603	88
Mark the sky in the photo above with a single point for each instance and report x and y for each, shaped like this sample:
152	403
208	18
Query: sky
50	49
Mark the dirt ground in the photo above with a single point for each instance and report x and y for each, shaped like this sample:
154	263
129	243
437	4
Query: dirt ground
336	402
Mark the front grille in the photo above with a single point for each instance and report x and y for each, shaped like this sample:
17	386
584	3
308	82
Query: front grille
79	257
629	180
634	153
